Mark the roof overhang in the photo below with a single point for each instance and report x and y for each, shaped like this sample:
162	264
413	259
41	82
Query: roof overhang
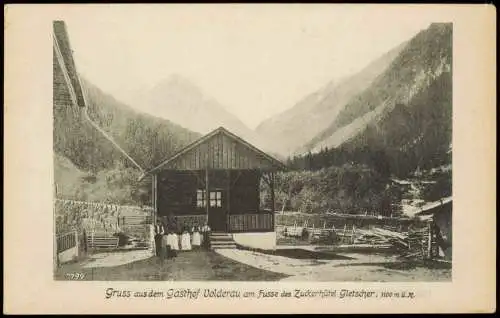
434	207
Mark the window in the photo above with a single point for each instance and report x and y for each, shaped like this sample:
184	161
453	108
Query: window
216	199
201	200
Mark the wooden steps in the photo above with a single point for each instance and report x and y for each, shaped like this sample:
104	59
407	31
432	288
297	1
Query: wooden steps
99	241
220	240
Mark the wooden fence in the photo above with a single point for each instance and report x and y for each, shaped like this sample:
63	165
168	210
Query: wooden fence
67	247
100	224
66	241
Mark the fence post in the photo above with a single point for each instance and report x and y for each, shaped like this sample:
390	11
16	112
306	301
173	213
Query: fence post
77	253
85	244
409	239
353	233
429	243
56	251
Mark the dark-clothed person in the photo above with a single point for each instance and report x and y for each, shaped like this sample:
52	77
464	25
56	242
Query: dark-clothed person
205	231
159	231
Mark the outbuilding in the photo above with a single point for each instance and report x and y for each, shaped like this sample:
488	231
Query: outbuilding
439	213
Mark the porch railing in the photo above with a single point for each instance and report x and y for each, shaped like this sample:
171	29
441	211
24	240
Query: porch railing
134	220
261	222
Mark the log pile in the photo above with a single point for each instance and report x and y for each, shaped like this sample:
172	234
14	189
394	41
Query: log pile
370	237
409	243
418	241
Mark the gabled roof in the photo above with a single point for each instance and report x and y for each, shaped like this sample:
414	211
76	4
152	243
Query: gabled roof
222	132
432	207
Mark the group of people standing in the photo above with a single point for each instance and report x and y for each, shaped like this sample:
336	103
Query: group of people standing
168	242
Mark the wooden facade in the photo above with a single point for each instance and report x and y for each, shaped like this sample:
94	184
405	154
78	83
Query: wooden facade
220	149
442	222
216	180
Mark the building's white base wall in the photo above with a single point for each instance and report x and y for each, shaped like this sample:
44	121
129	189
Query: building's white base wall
68	255
265	241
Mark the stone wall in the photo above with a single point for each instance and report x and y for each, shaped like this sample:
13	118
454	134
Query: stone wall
99	217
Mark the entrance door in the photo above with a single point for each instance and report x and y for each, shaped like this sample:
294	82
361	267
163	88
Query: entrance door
217	210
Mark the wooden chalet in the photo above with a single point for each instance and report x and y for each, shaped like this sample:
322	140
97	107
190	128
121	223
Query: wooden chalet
216	179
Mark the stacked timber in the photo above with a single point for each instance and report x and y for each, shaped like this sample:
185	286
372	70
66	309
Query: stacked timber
418	240
370	237
397	239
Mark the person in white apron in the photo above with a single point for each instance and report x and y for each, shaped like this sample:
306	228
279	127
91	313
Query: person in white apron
185	241
174	242
196	240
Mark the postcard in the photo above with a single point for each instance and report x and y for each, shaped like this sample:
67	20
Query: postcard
241	158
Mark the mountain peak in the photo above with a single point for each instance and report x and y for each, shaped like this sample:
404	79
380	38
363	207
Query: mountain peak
176	98
178	82
179	78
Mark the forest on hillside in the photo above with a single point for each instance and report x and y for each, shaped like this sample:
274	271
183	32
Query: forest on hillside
147	139
89	167
411	136
351	188
354	188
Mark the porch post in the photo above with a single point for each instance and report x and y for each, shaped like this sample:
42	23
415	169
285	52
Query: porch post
154	196
228	199
207	197
271	184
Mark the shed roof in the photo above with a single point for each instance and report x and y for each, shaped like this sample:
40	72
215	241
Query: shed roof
63	54
433	207
219	149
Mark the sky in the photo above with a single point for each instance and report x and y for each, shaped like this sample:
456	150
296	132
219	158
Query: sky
256	60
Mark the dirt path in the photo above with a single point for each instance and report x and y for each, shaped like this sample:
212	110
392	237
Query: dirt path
112	259
348	267
378	273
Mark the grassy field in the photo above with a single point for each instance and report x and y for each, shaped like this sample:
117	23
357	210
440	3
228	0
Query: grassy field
187	266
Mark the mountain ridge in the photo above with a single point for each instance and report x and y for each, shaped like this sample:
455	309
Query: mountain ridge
424	58
297	125
180	100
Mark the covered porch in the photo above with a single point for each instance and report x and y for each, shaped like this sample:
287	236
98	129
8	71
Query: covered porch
228	200
216	180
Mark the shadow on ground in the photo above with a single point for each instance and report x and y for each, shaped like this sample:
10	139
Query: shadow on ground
297	253
187	266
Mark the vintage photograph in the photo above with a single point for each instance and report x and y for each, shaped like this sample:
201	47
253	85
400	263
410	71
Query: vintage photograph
204	151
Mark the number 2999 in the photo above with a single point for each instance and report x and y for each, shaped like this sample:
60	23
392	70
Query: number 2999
75	276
